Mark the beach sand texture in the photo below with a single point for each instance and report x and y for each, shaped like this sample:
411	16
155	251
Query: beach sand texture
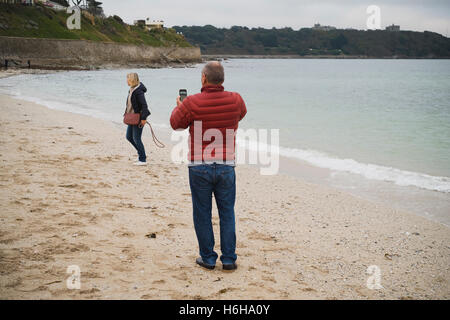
70	196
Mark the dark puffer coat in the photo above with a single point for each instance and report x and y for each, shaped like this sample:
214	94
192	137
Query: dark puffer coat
138	101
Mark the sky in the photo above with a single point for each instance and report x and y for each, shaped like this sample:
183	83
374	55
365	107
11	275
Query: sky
417	15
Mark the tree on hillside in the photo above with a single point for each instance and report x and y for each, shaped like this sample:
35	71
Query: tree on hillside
339	41
94	7
307	41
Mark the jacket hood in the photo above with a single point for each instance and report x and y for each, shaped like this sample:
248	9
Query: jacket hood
141	87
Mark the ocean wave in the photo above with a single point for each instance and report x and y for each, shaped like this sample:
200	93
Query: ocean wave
370	171
367	170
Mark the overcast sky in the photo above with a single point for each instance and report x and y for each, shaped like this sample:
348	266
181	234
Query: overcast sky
418	15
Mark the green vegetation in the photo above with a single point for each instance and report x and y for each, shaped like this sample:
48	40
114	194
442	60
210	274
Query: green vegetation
42	22
309	42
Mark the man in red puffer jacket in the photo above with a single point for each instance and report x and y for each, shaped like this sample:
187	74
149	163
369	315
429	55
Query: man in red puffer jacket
212	117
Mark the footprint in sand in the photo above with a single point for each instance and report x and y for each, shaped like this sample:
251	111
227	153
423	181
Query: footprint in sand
70	186
126	205
90	291
106	159
159	281
123	233
103	185
87	215
176	224
71	223
269	278
255	235
89	142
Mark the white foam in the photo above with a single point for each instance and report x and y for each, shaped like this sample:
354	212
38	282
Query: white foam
367	170
370	171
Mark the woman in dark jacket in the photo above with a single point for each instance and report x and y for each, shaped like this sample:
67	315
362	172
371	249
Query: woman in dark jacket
136	104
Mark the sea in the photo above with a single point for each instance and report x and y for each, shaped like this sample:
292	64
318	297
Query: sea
379	129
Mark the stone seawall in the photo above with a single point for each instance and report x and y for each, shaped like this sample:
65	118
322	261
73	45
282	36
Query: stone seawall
84	54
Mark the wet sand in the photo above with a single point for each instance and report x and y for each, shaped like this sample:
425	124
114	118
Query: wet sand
70	196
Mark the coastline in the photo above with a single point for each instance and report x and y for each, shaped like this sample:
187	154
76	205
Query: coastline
71	197
207	57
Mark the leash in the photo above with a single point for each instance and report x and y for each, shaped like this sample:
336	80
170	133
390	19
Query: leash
158	143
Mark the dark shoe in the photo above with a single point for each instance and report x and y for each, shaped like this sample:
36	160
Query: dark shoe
229	266
200	262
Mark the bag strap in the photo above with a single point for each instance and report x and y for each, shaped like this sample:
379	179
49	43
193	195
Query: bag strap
158	143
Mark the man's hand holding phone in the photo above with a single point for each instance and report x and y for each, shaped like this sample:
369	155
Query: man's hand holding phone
181	97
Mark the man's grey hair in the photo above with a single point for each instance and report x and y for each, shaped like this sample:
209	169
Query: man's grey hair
214	72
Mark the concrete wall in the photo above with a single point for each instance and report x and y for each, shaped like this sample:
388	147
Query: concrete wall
57	53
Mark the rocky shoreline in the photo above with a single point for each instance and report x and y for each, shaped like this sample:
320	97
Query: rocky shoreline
64	54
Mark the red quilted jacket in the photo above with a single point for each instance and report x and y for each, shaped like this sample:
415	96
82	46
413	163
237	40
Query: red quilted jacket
217	110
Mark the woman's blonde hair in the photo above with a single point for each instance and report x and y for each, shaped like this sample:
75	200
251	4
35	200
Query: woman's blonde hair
134	79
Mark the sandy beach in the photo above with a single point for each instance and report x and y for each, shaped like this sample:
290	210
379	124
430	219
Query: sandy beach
70	196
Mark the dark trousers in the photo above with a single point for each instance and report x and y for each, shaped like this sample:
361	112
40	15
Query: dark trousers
134	135
220	180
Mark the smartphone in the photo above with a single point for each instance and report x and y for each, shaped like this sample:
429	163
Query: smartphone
183	94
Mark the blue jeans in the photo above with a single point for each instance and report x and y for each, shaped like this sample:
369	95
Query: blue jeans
205	180
134	134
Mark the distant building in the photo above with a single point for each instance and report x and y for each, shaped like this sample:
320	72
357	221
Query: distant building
24	2
84	4
55	6
155	24
49	4
149	25
95	8
393	27
317	26
139	23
